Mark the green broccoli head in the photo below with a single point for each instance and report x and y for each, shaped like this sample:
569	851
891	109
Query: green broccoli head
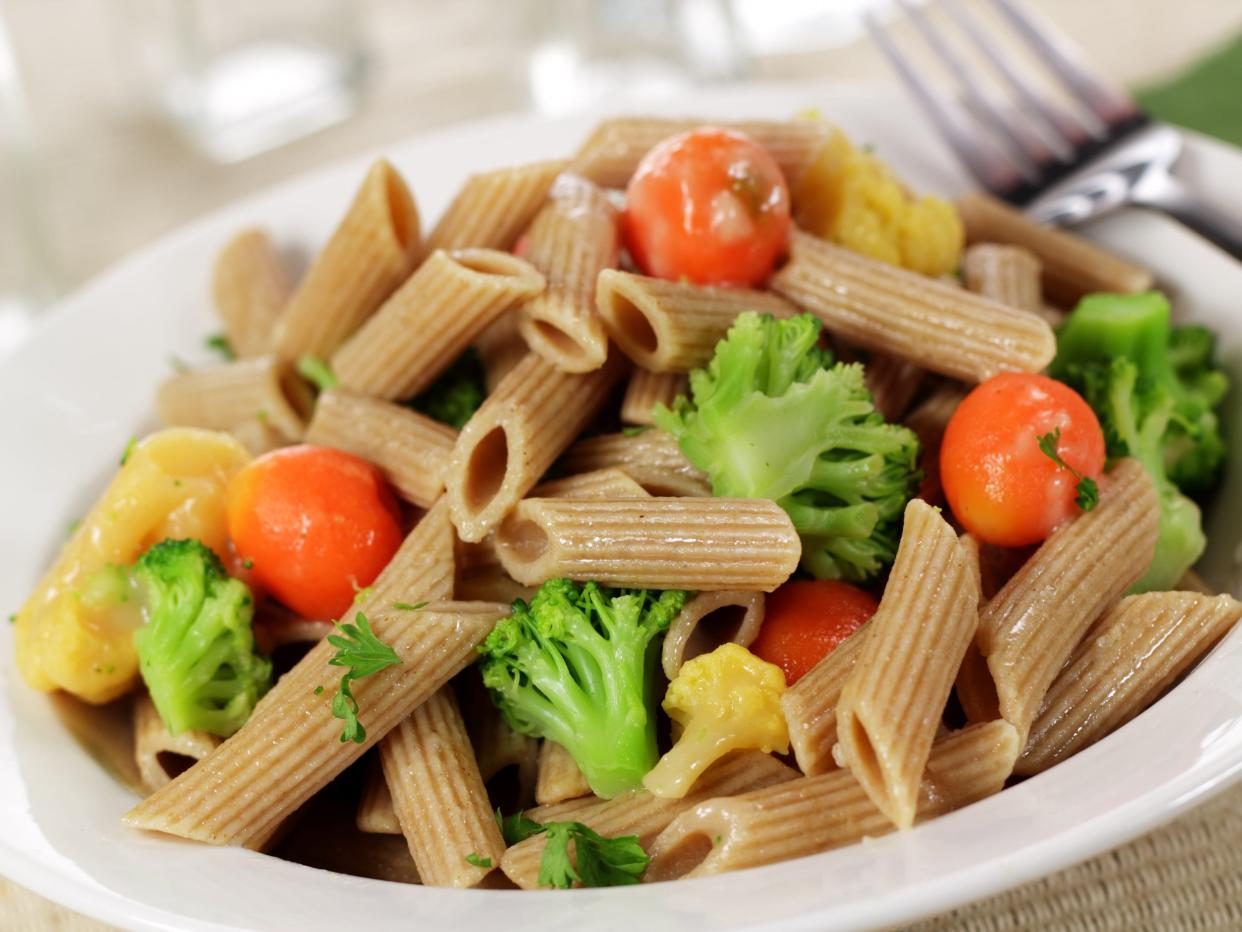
577	665
772	417
454	397
196	652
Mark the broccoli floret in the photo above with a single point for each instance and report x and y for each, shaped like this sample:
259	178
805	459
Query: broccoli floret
1155	390
196	652
772	417
578	666
454	397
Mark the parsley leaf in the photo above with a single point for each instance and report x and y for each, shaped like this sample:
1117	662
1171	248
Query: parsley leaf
633	430
316	371
219	343
364	654
517	827
13	618
407	607
477	861
129	448
1088	489
601	862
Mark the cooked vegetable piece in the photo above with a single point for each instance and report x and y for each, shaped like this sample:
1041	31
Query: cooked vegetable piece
804	621
196	652
454	397
1001	483
318	525
725	701
771	417
709	206
578	666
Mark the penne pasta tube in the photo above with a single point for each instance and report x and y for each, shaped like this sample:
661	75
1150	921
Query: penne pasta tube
651	458
706	544
638	812
431	319
291	748
161	755
376	815
559	776
264	390
369	254
422	569
893	700
1072	265
813	814
647	389
1006	274
493	208
572	239
411	450
810	705
250	287
612	152
669	326
500	348
1130	658
886	309
893	383
709	620
1034	623
599	483
515	436
439	796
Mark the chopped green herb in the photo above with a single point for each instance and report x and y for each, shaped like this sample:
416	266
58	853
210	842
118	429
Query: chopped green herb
73	525
477	861
601	862
517	827
407	607
1088	489
716	840
13	618
317	372
178	364
364	654
129	449
261	415
176	483
247	564
318	690
635	429
362	594
219	343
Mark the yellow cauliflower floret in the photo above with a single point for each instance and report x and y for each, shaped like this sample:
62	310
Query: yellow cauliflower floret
852	198
725	701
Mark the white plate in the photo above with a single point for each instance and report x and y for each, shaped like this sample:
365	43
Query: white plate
83	385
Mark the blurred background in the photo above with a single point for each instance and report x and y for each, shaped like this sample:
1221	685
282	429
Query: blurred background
124	119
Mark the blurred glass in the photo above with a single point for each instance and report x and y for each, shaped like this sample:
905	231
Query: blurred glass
239	77
593	49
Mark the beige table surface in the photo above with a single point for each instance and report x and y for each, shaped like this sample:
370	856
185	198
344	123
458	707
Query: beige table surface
114	177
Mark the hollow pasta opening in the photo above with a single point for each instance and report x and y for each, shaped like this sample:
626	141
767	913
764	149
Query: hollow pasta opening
174	764
489	262
402	214
526	539
299	395
632	324
558	339
486	468
866	763
683	856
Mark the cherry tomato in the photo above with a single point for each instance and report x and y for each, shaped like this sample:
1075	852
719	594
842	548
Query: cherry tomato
315	525
1001	486
806	619
710	206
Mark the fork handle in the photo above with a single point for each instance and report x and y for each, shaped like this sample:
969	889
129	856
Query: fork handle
1179	201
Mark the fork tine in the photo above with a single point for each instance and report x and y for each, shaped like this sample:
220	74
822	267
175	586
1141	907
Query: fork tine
990	166
1032	151
1067	132
1110	104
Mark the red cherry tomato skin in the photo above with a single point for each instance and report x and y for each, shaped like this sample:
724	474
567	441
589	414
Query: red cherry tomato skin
806	619
316	525
710	206
1001	487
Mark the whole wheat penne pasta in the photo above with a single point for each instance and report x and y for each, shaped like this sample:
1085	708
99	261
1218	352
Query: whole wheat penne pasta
893	382
669	326
500	348
411	450
376	815
422	569
709	620
705	544
439	796
810	705
813	814
265	389
1131	656
159	754
1072	265
492	208
290	748
651	458
515	436
481	578
559	776
1034	623
599	483
886	309
431	319
250	286
892	702
647	389
1007	274
369	254
571	240
614	149
638	812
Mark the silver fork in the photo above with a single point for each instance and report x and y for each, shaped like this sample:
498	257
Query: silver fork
1060	166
